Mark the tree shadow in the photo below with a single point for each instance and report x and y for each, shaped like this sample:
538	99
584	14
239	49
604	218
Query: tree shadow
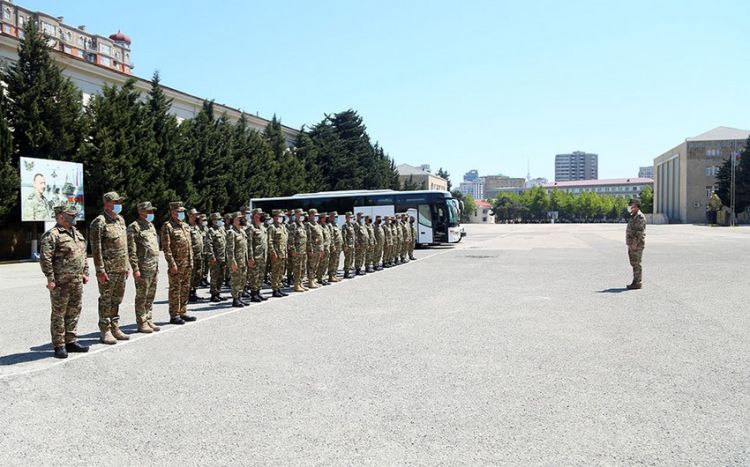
613	290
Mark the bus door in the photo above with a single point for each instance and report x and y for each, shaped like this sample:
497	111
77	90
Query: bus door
424	224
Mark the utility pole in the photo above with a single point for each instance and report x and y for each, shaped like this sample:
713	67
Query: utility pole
733	185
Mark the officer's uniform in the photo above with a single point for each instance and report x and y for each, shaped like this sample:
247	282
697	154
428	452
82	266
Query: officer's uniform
635	237
216	246
278	237
143	250
63	261
178	251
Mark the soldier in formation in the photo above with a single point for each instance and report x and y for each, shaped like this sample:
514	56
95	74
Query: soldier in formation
635	238
143	250
257	236
336	242
63	262
177	245
238	258
314	247
362	241
349	241
109	247
278	238
197	241
321	276
216	246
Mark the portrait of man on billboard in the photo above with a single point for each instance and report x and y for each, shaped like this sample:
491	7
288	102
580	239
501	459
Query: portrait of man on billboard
47	183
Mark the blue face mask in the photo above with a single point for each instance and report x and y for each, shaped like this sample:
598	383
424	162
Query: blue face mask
219	223
150	217
181	216
117	208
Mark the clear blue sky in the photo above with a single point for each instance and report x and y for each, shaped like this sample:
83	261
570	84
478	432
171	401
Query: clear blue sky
462	85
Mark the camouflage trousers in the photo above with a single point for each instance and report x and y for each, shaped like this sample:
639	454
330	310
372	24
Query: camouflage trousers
405	250
179	289
217	276
110	297
313	260
145	291
370	254
300	262
239	280
322	266
206	268
635	255
66	308
412	245
348	259
256	274
378	255
360	254
289	266
277	272
197	272
333	261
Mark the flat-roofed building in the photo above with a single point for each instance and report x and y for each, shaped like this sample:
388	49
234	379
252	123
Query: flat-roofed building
408	174
628	187
494	184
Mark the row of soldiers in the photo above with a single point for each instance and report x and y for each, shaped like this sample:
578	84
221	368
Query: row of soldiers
295	245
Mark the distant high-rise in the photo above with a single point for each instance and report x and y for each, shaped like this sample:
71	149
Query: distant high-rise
471	175
646	172
576	166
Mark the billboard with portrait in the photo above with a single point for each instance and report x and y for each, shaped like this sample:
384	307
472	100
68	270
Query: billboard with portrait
47	183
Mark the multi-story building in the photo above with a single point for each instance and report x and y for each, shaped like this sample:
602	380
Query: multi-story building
111	52
92	62
685	176
482	214
628	187
471	175
475	188
424	180
577	165
646	171
532	182
494	184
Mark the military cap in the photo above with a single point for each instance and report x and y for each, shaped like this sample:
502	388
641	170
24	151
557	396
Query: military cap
367	218
237	214
257	211
312	212
333	213
634	201
146	206
176	206
215	216
348	213
359	214
277	212
202	217
112	196
193	212
378	218
70	210
299	211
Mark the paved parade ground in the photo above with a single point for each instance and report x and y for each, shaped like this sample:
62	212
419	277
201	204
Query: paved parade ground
518	345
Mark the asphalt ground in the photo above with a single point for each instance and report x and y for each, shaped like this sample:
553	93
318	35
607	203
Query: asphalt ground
519	345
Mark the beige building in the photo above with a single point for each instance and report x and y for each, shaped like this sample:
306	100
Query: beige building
685	176
408	174
482	214
494	184
627	187
92	61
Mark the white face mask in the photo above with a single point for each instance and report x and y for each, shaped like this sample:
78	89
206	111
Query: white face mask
219	223
249	217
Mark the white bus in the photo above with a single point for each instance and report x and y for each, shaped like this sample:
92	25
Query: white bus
436	212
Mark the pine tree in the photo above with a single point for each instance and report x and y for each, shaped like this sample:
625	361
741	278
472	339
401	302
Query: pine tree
444	174
8	173
44	108
307	152
165	133
742	181
290	173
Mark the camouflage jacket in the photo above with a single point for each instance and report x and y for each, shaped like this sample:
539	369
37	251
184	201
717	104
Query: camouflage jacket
326	237
348	235
297	238
635	234
237	247
143	247
413	231
336	239
387	234
257	239
37	209
314	237
370	234
278	238
361	237
377	230
197	241
109	244
176	244
63	253
216	243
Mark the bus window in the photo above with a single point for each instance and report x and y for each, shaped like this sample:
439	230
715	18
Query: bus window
425	216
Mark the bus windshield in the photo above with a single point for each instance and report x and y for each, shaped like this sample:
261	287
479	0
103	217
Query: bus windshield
452	212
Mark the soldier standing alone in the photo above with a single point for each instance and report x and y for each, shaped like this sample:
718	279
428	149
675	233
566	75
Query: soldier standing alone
63	262
143	249
178	251
635	237
109	246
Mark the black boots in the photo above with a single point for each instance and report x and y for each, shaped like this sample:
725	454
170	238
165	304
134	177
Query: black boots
176	320
215	298
60	352
277	294
236	303
75	347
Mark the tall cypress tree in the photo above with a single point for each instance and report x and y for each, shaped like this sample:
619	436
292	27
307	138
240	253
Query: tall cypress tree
44	106
8	172
290	173
307	152
165	134
742	181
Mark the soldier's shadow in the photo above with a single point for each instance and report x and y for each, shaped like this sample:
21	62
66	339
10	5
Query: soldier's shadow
613	290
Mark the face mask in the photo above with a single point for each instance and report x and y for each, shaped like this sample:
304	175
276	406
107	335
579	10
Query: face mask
70	219
150	217
219	223
181	216
117	208
248	217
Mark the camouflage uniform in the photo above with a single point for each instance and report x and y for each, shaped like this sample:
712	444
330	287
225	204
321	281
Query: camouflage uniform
323	263
406	232
398	240
348	241
197	241
216	246
362	240
378	234
298	250
37	209
289	258
257	236
635	238
206	255
413	243
278	237
336	242
178	251
387	242
314	248
370	255
63	261
237	253
143	248
109	247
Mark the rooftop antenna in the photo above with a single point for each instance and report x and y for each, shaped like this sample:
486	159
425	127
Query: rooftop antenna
528	170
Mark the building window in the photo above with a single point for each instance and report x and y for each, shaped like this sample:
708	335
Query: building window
68	36
67	50
710	190
21	21
712	171
105	49
7	29
48	29
7	14
105	61
484	219
713	152
117	55
80	41
79	53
